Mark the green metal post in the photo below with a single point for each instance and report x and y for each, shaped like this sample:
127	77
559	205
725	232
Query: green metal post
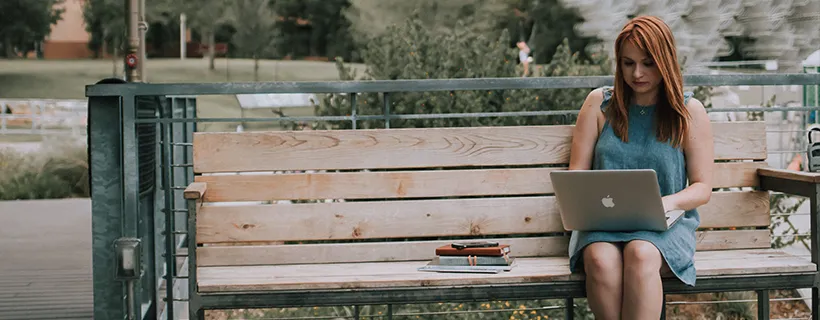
167	182
814	244
763	304
387	110
353	110
104	149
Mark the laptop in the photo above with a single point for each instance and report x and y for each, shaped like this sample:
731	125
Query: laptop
611	200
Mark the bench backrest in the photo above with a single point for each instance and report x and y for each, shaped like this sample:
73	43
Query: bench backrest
400	193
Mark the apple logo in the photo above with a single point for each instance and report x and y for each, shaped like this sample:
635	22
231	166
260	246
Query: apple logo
607	202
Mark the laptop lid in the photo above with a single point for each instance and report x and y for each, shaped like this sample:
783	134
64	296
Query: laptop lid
609	200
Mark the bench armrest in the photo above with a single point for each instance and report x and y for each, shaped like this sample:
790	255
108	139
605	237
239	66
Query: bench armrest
789	181
195	191
800	183
810	177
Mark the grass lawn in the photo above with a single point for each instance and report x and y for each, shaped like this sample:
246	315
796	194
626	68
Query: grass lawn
66	79
15	138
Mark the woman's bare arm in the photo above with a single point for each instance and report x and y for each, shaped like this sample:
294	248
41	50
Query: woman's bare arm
699	151
585	133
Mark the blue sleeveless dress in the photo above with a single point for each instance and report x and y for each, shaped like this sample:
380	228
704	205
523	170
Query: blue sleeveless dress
644	151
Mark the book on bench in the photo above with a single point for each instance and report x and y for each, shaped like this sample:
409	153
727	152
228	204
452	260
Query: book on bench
494	251
504	260
484	259
436	266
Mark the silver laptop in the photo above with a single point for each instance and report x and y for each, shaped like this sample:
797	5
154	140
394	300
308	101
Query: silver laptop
611	200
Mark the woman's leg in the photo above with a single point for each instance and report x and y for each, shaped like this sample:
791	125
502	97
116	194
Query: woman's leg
603	265
643	289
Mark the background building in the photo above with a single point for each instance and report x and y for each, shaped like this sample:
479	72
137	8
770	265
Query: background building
68	38
779	30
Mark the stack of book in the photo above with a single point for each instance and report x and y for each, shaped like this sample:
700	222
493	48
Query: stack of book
484	257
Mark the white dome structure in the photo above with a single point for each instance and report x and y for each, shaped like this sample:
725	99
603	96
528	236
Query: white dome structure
813	60
782	30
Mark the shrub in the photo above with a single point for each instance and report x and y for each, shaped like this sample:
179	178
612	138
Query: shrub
411	51
60	170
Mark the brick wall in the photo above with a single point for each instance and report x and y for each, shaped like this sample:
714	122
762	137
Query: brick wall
66	50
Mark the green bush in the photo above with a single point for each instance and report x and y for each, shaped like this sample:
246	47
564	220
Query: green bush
60	170
411	51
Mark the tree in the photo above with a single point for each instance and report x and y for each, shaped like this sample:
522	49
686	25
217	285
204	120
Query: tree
372	18
314	28
413	51
544	24
23	23
256	33
105	22
203	15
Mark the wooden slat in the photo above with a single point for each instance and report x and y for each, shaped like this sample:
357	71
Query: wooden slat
419	250
429	218
417	184
727	240
736	174
739	140
377	219
420	148
375	185
736	209
360	252
381	148
400	274
370	275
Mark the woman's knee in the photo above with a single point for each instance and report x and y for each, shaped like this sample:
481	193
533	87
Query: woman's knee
601	258
642	256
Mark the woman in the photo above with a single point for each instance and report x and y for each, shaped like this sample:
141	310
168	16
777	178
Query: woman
645	121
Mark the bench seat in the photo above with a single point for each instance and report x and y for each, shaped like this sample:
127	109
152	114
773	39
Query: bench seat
404	273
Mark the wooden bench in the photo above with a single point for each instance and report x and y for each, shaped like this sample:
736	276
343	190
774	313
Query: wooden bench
406	191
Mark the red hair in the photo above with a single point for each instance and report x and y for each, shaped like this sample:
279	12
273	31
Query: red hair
654	37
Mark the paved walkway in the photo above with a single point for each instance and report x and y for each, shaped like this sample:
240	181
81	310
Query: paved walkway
45	259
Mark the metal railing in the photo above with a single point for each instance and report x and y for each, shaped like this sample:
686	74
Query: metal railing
140	147
43	116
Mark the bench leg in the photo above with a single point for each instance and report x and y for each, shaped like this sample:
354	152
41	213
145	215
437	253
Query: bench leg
815	303
569	309
663	308
762	304
195	311
197	314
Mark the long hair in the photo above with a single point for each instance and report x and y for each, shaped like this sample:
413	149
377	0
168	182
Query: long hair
653	36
